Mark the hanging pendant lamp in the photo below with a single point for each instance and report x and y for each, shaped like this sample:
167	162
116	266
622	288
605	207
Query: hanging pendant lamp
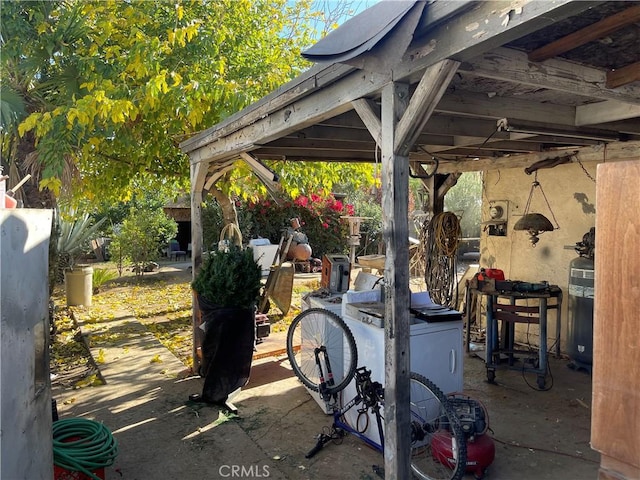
535	223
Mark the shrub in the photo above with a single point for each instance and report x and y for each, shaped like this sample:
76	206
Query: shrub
319	217
229	278
102	276
141	236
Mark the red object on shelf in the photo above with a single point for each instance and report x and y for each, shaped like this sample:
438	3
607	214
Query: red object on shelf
494	273
60	473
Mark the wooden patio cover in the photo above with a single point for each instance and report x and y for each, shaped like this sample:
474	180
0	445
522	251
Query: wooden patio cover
435	89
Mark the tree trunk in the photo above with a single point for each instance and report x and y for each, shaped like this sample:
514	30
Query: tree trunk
229	214
24	161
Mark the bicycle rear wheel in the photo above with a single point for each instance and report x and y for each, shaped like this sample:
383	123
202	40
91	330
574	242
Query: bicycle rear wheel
321	350
438	445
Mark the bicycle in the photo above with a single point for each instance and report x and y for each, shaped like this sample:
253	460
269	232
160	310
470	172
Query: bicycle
318	341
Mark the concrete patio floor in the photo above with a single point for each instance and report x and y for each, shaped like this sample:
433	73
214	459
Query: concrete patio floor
162	435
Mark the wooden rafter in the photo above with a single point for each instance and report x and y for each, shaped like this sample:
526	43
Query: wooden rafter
481	28
510	65
369	112
432	86
623	76
585	35
607	111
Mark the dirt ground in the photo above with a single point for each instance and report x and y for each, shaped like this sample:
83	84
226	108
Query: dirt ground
163	435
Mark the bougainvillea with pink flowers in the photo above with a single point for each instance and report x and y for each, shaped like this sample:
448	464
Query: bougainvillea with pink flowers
320	219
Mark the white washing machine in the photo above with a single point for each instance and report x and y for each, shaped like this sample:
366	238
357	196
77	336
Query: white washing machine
436	353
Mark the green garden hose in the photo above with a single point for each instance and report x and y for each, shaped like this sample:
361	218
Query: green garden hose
83	445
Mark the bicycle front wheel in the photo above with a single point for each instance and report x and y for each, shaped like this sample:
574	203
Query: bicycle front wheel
438	445
321	350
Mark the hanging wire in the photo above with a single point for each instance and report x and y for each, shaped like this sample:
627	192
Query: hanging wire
484	187
441	236
435	168
536	183
589	176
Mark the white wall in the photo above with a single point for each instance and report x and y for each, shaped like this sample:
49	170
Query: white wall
571	195
25	387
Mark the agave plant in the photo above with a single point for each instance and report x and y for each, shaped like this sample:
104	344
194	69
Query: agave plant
73	241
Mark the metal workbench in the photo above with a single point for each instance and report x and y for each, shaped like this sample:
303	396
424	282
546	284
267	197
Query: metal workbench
501	320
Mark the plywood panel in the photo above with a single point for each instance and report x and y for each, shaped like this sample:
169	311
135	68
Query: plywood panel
615	427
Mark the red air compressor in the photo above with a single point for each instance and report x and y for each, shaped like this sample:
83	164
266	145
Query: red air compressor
474	420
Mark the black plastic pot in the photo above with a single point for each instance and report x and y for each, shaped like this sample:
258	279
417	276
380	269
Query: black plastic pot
227	349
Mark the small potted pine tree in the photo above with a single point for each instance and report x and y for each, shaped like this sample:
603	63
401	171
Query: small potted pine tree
227	287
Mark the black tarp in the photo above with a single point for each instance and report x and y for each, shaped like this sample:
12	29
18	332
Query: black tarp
227	349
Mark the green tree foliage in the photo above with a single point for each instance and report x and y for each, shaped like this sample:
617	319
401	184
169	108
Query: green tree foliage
141	236
299	178
368	204
116	212
465	199
110	87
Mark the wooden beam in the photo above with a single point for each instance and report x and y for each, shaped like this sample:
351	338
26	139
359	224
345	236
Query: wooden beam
630	126
351	120
198	175
369	113
432	86
196	261
499	23
450	163
450	181
314	155
324	104
325	132
345	158
616	151
603	112
267	176
319	144
484	27
513	66
317	77
217	175
482	105
623	76
395	227
587	34
492	143
478	108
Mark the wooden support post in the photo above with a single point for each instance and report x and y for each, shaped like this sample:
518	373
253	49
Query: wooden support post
198	175
395	194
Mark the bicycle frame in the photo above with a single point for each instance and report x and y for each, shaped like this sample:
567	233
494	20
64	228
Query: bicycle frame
324	381
373	396
339	423
437	438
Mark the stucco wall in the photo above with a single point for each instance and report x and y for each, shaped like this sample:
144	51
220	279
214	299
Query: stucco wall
25	387
571	195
